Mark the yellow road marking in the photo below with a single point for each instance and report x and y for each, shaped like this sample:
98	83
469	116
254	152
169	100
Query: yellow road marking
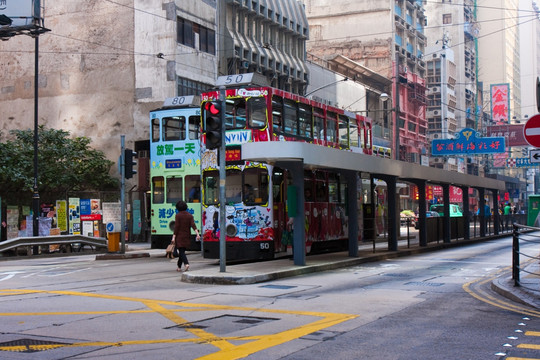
226	348
529	346
487	298
516	358
532	333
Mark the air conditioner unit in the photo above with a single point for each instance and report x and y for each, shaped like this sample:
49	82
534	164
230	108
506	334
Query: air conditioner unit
289	80
245	64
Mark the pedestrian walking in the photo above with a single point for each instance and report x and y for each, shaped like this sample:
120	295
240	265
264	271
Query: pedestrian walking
183	223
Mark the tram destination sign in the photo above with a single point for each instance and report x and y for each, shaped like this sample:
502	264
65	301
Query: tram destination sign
468	142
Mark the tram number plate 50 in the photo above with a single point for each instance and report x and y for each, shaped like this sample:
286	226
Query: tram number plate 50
265	246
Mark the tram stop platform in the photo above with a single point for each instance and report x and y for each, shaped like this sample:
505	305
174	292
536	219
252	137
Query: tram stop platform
207	271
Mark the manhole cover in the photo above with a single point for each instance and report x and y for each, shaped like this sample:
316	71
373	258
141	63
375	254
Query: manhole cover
29	345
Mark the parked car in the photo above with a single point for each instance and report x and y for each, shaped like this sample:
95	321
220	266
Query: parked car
407	215
455	210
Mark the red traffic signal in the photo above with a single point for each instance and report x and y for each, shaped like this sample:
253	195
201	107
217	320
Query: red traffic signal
212	108
213	124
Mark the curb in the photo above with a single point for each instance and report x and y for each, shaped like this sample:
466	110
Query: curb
114	256
504	286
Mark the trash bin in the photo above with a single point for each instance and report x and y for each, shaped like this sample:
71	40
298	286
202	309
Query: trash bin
113	241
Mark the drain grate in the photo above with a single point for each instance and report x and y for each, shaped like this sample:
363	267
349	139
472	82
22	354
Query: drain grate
29	345
423	283
321	335
280	287
396	275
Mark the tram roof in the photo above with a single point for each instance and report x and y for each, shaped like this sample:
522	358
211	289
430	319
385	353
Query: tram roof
316	156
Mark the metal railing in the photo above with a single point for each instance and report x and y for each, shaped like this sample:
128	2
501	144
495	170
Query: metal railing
52	240
524	234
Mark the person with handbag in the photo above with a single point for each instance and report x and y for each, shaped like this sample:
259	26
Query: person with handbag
183	223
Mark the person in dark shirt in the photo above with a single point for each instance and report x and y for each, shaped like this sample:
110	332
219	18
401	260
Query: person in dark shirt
183	223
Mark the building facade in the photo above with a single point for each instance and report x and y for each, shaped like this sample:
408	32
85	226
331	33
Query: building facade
388	38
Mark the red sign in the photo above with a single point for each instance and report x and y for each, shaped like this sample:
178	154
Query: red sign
512	133
531	131
91	217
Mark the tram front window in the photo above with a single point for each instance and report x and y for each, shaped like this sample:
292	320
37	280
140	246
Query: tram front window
174	190
194	127
192	188
255	186
257	112
158	190
233	189
174	128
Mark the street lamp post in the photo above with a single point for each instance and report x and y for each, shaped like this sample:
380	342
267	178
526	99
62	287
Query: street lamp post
35	195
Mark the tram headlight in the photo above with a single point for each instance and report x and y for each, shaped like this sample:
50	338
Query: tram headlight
231	230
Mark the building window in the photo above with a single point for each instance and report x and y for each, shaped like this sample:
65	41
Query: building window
189	87
187	32
184	32
447	18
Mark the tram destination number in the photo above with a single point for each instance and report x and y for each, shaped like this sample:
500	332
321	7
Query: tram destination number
238	79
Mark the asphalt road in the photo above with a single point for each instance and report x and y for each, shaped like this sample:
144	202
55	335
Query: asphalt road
430	306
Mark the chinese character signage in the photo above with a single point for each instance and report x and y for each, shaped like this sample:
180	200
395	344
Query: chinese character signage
500	103
467	142
512	133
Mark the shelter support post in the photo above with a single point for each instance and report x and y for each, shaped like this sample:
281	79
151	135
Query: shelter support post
446	218
466	213
352	210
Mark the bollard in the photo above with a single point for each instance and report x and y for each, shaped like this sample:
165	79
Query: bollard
113	241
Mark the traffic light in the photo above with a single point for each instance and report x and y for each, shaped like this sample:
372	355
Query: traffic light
129	163
214	136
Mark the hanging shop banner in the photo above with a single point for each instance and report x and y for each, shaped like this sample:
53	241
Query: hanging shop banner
468	142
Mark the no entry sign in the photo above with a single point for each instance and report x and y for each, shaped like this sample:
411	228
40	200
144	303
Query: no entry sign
531	131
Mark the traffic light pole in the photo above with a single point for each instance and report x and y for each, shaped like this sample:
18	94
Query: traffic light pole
122	194
222	198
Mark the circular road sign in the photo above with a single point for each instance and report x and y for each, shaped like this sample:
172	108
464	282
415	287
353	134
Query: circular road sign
531	131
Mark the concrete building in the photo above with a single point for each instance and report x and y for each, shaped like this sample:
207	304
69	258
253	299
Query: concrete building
100	75
499	53
453	102
388	38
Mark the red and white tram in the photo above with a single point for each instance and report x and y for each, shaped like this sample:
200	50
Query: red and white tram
257	225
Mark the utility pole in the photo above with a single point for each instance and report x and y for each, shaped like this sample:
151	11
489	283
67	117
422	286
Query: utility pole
222	183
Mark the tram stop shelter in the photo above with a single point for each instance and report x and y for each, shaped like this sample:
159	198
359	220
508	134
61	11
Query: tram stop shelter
298	156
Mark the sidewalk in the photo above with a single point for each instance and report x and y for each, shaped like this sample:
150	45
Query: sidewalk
207	271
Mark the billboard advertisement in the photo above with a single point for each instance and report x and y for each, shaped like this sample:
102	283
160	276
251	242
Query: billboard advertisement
21	12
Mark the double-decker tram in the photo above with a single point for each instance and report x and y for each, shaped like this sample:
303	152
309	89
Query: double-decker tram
257	224
175	166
